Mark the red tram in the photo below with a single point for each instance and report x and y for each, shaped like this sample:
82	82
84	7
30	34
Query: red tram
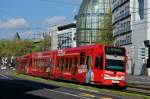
25	65
94	64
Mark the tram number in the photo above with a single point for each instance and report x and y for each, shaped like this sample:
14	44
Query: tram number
115	81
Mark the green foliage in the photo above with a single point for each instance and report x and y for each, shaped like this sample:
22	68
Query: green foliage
20	47
105	35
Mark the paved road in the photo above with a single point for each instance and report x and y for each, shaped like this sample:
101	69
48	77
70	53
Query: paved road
145	80
14	88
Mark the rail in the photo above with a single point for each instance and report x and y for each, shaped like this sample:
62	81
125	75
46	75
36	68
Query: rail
138	88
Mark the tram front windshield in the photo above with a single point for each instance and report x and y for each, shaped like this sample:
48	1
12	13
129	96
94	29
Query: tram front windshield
115	58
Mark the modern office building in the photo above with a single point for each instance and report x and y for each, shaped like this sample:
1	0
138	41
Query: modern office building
63	36
130	29
121	22
66	36
89	20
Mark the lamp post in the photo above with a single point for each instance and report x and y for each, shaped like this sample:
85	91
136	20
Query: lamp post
147	44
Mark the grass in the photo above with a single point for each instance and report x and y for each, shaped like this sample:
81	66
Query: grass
79	86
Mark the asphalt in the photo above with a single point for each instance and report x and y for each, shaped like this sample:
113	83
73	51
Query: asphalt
144	80
15	88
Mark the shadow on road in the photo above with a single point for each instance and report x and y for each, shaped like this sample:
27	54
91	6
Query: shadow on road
19	89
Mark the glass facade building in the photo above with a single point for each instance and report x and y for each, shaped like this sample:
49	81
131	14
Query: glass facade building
89	20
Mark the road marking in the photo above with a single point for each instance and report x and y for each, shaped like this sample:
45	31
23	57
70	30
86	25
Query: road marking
102	93
67	93
87	95
106	98
89	90
4	76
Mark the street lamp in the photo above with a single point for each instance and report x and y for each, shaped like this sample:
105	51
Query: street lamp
147	44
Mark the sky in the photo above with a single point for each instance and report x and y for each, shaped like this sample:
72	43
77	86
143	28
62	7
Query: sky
34	16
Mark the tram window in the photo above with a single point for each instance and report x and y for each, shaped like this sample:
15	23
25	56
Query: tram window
88	61
43	62
49	62
38	62
62	64
35	62
58	62
75	61
62	60
82	55
70	63
99	62
66	65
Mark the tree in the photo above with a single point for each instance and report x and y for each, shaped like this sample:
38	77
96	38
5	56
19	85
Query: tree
44	44
105	35
20	47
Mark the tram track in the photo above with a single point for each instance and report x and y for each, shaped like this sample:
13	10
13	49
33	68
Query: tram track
143	89
138	88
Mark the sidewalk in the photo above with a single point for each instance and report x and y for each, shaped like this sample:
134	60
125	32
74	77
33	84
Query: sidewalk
145	80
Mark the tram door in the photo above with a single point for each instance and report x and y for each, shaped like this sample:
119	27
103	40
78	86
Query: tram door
89	77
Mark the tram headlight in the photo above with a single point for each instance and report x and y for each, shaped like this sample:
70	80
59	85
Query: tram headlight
122	78
106	76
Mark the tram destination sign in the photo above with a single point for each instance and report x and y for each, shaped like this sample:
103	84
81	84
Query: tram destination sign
115	51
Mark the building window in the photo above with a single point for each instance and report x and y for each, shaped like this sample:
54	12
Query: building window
141	8
90	15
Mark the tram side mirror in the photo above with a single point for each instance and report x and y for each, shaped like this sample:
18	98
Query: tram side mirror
148	62
147	43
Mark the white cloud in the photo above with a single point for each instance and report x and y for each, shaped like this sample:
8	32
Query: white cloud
13	23
56	20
